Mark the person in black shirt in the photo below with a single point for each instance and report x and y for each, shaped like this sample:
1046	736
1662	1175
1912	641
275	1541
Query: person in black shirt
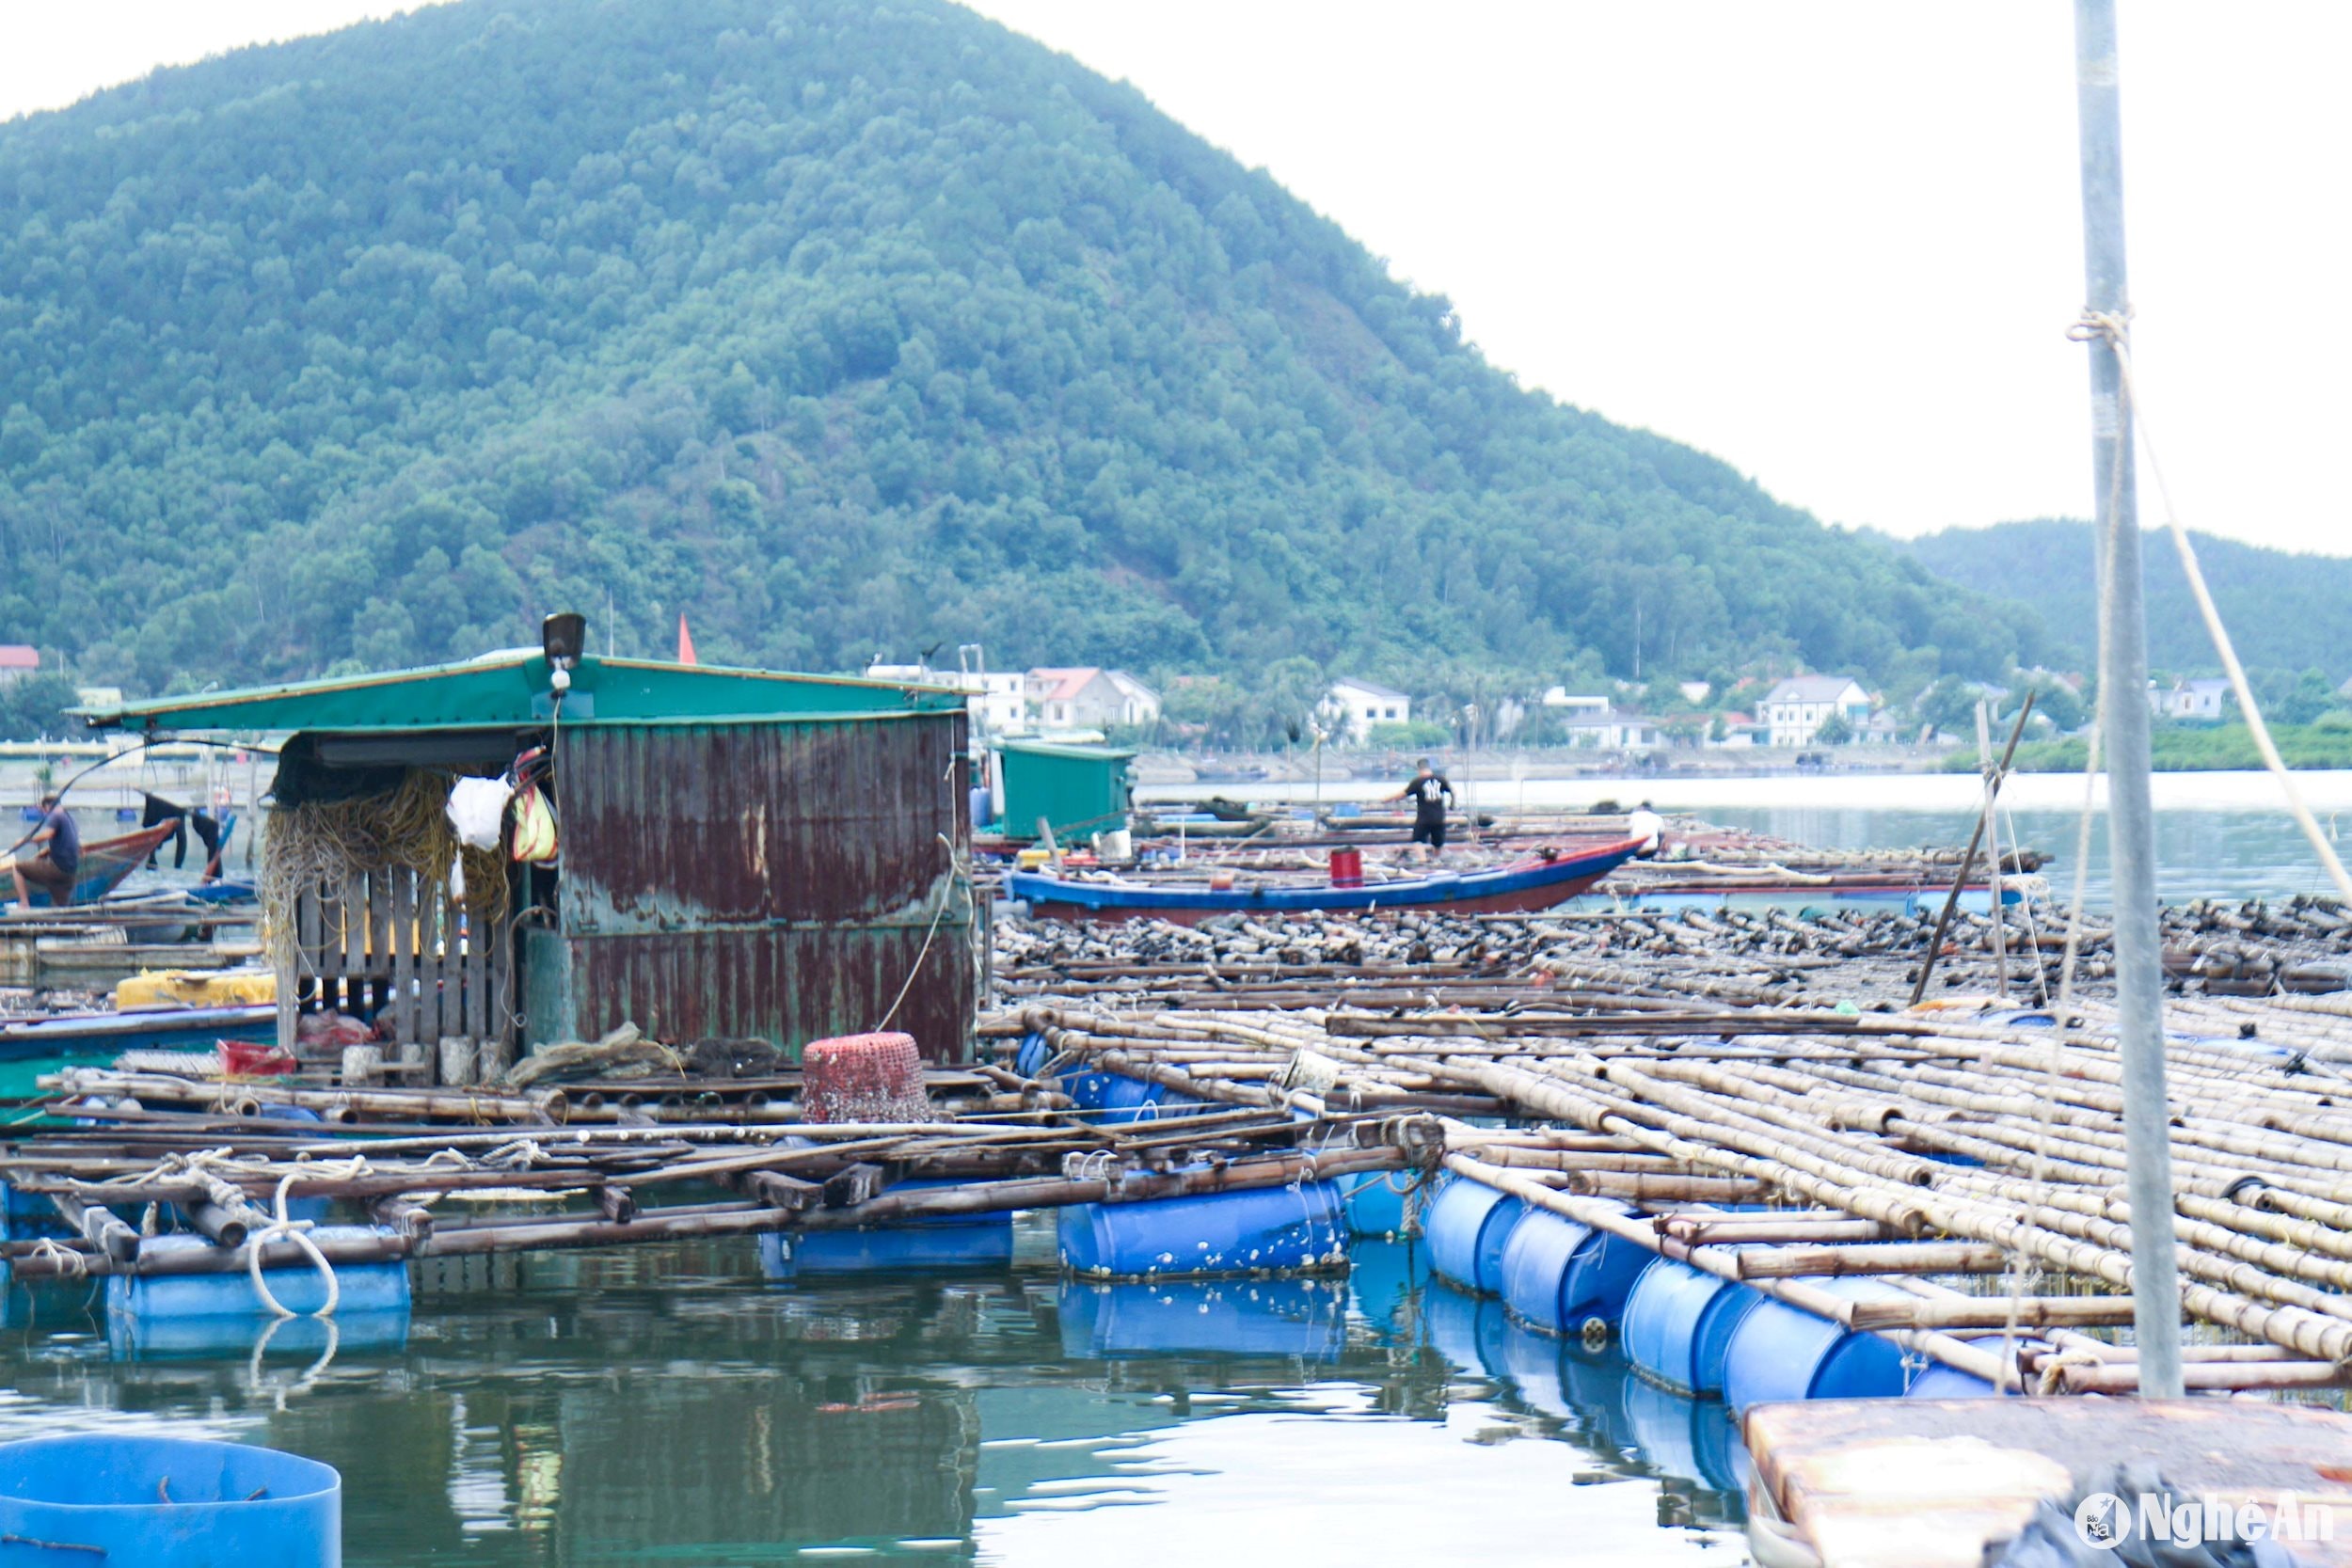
55	862
1430	797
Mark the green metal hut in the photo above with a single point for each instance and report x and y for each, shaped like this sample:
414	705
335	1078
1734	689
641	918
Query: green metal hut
743	853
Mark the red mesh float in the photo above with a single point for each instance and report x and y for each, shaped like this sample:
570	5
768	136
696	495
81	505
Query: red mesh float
863	1078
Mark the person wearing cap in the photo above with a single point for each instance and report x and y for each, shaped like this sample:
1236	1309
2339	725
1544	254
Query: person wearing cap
1432	797
53	861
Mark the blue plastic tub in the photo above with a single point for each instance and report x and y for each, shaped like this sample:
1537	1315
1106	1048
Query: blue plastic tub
1255	1230
102	1500
1557	1273
1779	1353
363	1288
1468	1226
1678	1323
1305	1318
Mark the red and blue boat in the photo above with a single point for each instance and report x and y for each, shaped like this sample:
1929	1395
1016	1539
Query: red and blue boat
1551	877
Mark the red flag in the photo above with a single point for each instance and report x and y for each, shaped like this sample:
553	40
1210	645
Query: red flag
685	641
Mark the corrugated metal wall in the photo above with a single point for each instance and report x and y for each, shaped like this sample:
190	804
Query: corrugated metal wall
769	880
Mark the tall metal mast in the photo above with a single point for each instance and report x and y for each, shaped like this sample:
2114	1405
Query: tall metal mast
2123	715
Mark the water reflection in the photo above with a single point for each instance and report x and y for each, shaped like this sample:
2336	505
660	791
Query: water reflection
674	1406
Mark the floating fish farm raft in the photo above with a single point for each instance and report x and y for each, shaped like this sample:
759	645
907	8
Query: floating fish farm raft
1596	1119
1778	1126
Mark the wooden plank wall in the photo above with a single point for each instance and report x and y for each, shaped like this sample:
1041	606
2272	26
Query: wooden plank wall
387	944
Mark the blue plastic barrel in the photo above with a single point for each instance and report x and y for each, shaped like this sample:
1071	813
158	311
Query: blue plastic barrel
1122	1098
1468	1226
1030	1059
362	1288
1557	1273
1779	1353
1255	1230
165	1502
138	1338
1678	1323
1466	1331
1693	1439
1376	1203
1387	1281
1306	1317
1939	1381
932	1242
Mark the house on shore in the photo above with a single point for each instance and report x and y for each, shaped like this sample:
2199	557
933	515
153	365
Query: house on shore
1795	710
2196	700
1088	698
1358	705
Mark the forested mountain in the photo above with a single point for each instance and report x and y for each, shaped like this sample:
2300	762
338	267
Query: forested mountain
2284	610
841	326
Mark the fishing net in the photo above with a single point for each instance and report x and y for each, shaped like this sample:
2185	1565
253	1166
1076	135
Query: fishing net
322	844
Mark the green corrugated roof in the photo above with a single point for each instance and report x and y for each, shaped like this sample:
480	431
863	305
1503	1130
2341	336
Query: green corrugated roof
504	690
1069	749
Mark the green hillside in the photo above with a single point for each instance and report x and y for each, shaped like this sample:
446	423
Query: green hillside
840	327
2285	611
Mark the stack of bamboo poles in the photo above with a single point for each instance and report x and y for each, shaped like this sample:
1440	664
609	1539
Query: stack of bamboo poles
581	1186
1975	1150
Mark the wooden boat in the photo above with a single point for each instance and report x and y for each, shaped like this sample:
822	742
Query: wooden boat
105	862
1537	883
30	1046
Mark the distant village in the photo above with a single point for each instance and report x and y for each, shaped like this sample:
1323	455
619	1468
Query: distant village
1797	713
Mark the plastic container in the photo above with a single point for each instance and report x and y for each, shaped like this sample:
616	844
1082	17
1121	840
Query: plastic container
1693	1439
149	1339
1377	1204
165	1502
1387	1281
940	1242
1939	1381
361	1288
1468	1226
1677	1325
1305	1318
254	1060
1256	1230
1347	868
1557	1273
1468	1331
1779	1353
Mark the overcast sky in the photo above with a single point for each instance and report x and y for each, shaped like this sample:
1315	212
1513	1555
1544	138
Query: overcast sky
1834	241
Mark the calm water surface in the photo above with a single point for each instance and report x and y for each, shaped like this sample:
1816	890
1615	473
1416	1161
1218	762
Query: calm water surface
671	1406
2218	834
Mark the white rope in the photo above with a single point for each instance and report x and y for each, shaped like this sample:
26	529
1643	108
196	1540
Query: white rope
2116	332
68	1262
296	1232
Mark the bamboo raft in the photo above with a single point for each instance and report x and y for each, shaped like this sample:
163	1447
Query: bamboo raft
1634	1073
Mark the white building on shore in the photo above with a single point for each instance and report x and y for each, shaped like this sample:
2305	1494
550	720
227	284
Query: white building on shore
1357	706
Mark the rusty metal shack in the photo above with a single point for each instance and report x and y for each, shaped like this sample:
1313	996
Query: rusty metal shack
743	854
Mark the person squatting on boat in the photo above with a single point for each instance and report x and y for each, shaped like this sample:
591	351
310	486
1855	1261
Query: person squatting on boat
54	859
1432	798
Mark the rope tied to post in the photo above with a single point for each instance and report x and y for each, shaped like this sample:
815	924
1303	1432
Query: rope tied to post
297	1231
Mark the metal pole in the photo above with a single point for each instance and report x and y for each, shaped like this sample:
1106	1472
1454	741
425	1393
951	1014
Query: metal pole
2123	720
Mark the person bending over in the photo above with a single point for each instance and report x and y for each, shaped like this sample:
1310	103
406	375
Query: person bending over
1432	797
